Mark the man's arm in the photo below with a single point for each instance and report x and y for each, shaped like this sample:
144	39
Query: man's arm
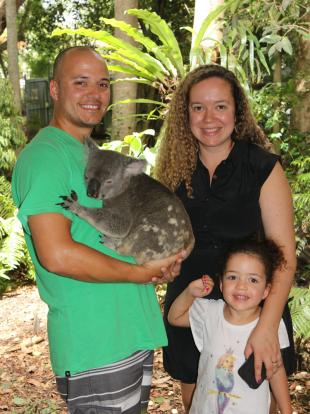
60	254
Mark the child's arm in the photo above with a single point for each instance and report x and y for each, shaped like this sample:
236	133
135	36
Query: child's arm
178	313
279	387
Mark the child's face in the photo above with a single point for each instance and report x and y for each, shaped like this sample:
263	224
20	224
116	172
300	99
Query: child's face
244	282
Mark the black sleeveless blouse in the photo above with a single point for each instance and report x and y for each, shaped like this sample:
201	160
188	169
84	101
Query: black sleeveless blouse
225	210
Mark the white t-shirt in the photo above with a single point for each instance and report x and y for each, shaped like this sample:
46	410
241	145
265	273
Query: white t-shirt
220	389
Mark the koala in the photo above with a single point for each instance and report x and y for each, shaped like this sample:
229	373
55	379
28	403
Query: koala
140	217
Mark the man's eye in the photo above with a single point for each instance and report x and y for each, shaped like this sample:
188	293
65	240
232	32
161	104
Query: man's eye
104	85
80	83
221	107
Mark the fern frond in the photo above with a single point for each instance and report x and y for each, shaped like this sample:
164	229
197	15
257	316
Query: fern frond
300	311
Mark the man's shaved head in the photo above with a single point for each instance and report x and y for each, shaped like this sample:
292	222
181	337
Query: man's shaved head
80	90
60	57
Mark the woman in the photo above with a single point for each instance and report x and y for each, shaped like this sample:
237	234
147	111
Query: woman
215	157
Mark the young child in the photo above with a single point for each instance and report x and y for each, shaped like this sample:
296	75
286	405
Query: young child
221	329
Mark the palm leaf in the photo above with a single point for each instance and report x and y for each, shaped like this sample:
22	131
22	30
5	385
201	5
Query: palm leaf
160	28
148	43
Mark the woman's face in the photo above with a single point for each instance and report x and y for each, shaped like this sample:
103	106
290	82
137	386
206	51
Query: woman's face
212	112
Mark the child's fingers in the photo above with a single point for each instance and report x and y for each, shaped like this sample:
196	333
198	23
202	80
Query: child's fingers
207	283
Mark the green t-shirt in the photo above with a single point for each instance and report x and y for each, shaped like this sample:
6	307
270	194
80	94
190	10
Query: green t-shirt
89	324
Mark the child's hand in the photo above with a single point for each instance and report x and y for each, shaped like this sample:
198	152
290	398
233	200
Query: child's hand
208	284
201	287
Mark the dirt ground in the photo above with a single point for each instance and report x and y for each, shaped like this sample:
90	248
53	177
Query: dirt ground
27	383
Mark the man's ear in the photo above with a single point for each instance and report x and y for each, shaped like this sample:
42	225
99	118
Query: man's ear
54	89
266	291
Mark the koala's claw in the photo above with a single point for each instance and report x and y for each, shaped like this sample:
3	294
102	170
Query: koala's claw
73	195
68	202
64	203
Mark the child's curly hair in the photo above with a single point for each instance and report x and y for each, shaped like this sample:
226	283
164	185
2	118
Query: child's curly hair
178	151
267	251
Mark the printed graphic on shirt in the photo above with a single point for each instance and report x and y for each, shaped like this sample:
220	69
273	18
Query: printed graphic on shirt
225	381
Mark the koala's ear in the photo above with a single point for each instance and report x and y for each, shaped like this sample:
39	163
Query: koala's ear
135	167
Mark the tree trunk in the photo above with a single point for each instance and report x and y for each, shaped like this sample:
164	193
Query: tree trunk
202	9
13	68
300	119
123	121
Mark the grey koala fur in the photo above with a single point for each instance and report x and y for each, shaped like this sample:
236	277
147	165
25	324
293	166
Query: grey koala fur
140	217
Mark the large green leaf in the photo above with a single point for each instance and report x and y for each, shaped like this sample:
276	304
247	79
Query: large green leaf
132	67
160	28
129	71
148	43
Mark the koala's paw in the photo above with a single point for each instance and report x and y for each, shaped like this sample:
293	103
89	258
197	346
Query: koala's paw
70	203
109	242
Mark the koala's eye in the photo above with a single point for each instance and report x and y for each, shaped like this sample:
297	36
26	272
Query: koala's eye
109	181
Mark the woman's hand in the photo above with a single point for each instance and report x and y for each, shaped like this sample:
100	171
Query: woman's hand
264	343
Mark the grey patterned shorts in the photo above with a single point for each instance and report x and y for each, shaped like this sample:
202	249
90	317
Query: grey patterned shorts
121	387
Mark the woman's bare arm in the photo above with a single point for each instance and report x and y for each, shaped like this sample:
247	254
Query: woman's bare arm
277	215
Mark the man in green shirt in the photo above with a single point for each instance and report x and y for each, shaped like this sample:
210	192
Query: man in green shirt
104	320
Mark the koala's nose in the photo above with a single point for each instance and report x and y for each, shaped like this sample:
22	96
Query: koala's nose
93	188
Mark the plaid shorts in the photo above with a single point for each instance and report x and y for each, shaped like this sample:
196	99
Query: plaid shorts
121	387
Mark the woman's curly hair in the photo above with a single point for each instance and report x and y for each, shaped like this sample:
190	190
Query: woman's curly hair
178	151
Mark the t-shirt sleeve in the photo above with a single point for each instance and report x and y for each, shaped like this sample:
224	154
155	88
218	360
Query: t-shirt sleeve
283	336
203	314
40	177
262	162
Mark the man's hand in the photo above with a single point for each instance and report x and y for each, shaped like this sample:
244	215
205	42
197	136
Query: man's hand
165	270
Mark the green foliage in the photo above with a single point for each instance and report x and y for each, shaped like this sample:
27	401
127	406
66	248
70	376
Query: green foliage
300	310
272	106
37	19
13	249
136	145
11	133
155	63
254	32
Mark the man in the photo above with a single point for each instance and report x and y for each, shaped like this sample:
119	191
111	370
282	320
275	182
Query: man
104	320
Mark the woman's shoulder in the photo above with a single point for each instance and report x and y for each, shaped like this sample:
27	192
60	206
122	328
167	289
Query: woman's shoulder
254	151
257	159
256	155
